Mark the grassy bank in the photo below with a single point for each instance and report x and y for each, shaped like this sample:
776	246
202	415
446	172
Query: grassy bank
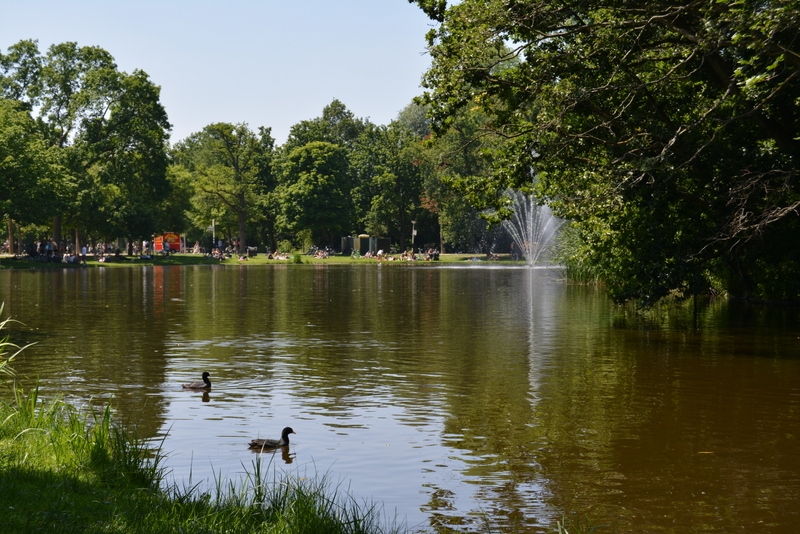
9	262
66	471
63	470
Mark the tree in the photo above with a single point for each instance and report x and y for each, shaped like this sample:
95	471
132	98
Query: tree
337	125
124	153
460	161
667	131
414	119
387	161
108	126
230	165
314	191
265	221
30	175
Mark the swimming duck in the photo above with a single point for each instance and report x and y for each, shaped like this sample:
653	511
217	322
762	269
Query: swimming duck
272	443
205	384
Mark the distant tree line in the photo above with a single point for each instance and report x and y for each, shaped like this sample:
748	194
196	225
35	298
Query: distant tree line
85	154
336	175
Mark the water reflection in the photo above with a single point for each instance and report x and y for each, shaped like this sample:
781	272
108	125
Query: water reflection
287	457
452	394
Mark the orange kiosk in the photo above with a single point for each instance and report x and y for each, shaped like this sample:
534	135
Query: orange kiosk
168	242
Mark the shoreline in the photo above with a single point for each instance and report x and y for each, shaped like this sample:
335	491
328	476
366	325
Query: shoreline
8	261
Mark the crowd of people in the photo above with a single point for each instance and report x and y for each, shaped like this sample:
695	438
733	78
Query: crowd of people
66	252
431	254
50	251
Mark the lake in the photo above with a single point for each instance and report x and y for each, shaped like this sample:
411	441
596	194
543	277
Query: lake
457	396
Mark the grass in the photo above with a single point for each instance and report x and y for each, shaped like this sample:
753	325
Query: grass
9	262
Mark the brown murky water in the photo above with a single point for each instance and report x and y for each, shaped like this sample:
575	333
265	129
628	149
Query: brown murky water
455	396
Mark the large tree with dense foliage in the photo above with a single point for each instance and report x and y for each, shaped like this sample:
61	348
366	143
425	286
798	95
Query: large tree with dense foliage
460	157
388	166
231	171
667	131
109	127
315	192
337	125
29	170
30	175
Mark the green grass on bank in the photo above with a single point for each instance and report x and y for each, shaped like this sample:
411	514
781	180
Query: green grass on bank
66	471
9	262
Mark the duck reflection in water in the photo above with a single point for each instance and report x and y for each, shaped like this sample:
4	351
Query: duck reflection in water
287	456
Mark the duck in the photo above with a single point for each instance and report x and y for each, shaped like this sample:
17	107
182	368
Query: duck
273	443
205	384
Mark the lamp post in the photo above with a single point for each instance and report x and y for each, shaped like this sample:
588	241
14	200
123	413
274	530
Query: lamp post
413	233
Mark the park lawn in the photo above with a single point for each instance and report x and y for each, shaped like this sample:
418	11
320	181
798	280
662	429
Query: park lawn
9	262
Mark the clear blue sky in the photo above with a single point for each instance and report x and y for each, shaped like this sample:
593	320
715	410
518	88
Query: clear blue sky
263	62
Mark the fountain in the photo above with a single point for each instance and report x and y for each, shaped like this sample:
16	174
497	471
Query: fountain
532	226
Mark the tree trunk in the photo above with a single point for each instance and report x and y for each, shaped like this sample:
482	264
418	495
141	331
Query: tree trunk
242	226
11	249
57	232
242	248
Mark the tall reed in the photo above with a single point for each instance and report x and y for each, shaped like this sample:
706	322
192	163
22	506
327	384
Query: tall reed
6	372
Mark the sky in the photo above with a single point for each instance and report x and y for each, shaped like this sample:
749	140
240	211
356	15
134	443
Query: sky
267	63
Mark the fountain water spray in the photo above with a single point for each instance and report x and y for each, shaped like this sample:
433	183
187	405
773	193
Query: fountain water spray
532	226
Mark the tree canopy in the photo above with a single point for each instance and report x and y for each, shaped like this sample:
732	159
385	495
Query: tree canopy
109	128
337	125
314	191
30	174
388	164
231	171
666	131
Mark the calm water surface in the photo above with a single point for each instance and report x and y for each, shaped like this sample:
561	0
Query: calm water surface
454	396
